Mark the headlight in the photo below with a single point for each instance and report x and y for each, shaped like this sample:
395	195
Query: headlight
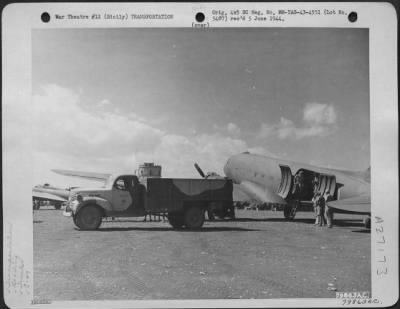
79	198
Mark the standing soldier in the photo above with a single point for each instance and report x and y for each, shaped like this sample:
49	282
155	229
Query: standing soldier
298	183
315	202
328	211
321	210
295	184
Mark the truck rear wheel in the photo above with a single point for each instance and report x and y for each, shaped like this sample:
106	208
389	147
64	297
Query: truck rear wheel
176	220
194	217
88	218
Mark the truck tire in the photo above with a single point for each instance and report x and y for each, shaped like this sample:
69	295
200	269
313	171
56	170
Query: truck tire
194	217
57	206
88	218
176	220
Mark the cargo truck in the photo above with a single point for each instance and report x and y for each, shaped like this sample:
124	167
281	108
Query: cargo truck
183	201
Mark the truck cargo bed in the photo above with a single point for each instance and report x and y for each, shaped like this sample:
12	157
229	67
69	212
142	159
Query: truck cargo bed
169	194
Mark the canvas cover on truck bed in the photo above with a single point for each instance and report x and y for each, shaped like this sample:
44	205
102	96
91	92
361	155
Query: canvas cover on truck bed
169	194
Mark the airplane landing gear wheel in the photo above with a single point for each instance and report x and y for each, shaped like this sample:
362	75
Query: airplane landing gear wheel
288	213
367	222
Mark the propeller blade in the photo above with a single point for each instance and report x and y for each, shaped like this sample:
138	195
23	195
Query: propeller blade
199	170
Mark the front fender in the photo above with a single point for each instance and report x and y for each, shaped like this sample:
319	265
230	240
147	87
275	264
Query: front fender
93	200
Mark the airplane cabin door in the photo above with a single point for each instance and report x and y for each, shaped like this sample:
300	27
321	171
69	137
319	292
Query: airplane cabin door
327	183
286	181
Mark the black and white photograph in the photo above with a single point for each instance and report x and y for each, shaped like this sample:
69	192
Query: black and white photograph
283	113
175	163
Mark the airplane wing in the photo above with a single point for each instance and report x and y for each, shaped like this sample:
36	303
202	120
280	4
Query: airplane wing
358	205
48	196
259	193
85	175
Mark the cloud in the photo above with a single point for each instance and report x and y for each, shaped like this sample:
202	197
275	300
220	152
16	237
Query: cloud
67	135
104	102
318	120
319	114
61	124
231	129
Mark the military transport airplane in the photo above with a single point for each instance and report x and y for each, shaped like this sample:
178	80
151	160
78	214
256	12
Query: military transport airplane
49	193
272	180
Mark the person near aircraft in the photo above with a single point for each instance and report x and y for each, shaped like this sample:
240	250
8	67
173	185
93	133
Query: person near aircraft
315	202
321	210
328	213
298	183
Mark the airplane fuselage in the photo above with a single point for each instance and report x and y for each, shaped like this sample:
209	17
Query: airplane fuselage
265	172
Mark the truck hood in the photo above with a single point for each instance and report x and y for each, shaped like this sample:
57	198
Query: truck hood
100	192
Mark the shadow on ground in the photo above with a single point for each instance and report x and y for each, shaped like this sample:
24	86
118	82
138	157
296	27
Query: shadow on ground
310	221
365	231
165	229
341	222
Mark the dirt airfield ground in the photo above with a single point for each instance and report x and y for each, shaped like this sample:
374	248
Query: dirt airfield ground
258	256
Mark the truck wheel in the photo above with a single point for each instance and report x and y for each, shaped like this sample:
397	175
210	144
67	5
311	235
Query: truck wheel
194	217
176	220
88	218
57	206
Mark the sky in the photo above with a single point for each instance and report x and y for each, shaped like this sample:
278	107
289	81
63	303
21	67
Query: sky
107	100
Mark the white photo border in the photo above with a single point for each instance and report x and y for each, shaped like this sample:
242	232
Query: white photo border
380	18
